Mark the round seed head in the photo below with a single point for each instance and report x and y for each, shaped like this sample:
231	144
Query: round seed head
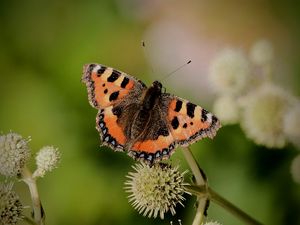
155	190
14	153
227	109
263	112
230	71
46	160
11	209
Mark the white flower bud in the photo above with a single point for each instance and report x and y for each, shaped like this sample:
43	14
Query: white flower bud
46	160
226	109
230	71
263	112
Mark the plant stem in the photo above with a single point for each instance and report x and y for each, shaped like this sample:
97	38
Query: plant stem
29	221
201	191
215	197
38	211
200	180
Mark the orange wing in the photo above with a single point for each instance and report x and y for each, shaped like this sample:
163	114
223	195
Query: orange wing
106	86
174	122
189	122
111	133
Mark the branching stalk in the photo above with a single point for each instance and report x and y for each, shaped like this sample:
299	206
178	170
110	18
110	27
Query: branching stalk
38	212
201	181
202	191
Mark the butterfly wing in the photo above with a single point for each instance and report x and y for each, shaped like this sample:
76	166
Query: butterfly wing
174	121
108	88
155	141
188	122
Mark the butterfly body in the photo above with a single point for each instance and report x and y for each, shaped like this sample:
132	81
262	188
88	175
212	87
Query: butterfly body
145	122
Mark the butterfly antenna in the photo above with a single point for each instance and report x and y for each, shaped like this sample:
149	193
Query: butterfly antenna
147	55
174	71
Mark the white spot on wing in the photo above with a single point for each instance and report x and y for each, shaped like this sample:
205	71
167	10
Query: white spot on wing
96	68
209	117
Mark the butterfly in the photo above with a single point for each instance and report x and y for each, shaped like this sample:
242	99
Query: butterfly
146	122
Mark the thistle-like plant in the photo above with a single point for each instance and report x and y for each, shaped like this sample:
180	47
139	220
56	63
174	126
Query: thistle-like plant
14	154
11	208
268	114
156	190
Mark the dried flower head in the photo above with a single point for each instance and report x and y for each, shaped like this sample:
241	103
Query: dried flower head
14	153
155	190
262	116
46	160
262	53
11	209
295	169
227	109
230	71
292	124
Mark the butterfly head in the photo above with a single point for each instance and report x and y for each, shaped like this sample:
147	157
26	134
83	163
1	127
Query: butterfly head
157	85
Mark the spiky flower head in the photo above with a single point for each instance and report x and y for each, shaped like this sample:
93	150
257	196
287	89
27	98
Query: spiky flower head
11	209
227	109
261	52
229	71
263	111
46	160
155	190
14	153
292	124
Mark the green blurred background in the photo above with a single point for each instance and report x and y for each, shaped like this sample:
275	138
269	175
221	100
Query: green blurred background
43	47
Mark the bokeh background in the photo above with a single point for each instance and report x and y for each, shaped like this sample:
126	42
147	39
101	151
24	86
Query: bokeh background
43	47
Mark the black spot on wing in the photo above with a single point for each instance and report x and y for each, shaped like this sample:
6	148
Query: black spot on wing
101	71
190	107
117	111
114	76
163	131
214	119
204	115
178	106
114	96
124	83
105	91
184	125
175	123
90	68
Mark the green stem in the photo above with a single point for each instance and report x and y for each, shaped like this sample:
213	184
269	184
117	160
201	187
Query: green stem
200	180
29	221
38	212
202	191
215	197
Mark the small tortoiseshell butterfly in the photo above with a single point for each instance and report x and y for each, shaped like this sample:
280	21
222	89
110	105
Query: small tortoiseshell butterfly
146	122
